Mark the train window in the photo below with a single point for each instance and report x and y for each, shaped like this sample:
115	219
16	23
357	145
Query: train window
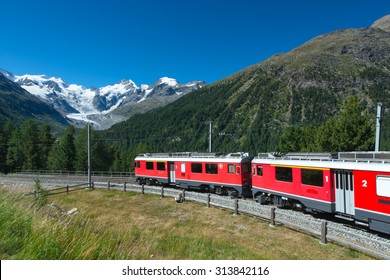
312	177
137	164
149	165
383	186
284	174
259	170
351	181
196	167
211	168
231	168
161	166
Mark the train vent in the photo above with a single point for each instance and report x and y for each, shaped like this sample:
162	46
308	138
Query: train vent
311	156
206	155
365	156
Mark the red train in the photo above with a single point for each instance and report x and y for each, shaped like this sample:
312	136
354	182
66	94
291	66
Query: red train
226	174
354	186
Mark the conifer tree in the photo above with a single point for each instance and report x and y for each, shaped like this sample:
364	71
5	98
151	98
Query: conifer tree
15	155
354	130
3	147
81	163
63	155
351	130
101	156
5	135
31	152
291	139
46	141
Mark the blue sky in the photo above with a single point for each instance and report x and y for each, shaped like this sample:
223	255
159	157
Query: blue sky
96	43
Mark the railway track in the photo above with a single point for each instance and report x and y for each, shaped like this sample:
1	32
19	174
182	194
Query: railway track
349	235
61	179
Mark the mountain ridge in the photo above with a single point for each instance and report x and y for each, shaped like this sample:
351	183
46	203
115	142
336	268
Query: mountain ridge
82	104
17	105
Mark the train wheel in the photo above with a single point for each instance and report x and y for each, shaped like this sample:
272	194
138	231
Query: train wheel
261	198
220	190
278	201
140	181
233	193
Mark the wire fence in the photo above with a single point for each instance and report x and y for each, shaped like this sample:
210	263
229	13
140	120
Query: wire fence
73	173
60	190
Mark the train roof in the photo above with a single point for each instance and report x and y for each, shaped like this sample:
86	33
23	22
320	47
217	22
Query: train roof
196	157
370	161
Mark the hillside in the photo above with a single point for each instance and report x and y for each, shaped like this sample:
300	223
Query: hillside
251	108
17	105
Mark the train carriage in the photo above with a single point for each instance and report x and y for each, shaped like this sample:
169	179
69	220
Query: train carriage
227	174
355	186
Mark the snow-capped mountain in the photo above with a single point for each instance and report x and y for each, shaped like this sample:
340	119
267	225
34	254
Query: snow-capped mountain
79	103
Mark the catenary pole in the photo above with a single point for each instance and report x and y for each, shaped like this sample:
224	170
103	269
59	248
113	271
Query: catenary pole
89	156
210	137
378	126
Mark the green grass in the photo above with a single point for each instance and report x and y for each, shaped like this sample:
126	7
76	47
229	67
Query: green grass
15	227
123	225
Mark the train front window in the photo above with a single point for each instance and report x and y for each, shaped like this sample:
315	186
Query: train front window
259	170
284	174
312	177
231	168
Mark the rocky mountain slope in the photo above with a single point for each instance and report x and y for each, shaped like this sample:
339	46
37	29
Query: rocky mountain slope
250	109
18	105
81	104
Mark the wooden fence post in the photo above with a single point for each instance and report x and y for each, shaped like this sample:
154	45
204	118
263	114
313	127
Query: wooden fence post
67	189
109	185
143	189
324	232
208	199
184	195
124	186
162	192
273	216
236	207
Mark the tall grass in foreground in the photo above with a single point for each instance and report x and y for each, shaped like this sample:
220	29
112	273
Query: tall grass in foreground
123	225
29	231
15	226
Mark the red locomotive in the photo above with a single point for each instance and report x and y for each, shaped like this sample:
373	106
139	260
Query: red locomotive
213	172
355	186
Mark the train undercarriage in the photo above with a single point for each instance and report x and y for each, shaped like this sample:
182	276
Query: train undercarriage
216	189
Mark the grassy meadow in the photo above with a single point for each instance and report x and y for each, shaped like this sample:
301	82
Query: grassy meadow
123	225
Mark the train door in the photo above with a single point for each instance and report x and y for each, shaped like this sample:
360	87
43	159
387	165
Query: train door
345	201
172	177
